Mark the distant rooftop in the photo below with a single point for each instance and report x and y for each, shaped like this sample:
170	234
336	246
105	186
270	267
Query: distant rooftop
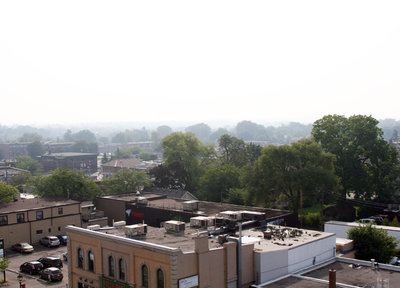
68	154
33	204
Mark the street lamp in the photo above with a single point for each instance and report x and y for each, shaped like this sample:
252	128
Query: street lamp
19	277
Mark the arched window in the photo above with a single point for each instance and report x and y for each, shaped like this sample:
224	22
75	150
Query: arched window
90	261
145	276
160	278
111	268
80	257
121	269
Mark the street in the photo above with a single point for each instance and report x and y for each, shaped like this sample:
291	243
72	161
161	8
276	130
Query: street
33	281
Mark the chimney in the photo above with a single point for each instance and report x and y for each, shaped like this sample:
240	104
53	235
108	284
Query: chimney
332	278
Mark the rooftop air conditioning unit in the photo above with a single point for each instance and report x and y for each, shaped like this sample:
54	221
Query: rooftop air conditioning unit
173	226
234	215
135	230
202	222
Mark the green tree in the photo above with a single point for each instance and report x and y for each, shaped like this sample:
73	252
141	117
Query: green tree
29	164
7	192
30	137
182	152
201	130
164	130
291	171
4	262
65	183
372	243
232	150
20	179
366	164
83	146
125	181
217	182
35	149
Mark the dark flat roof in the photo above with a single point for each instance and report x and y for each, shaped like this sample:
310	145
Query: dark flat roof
35	203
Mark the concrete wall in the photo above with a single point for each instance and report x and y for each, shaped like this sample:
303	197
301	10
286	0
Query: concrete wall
270	265
113	209
311	253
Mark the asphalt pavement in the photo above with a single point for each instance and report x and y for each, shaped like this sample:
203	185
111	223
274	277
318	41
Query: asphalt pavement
32	281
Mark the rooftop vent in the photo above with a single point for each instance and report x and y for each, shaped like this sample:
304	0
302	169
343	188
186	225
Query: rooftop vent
173	226
93	227
202	222
135	230
142	200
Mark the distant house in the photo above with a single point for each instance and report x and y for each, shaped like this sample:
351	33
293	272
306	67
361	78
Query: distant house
171	193
129	163
82	162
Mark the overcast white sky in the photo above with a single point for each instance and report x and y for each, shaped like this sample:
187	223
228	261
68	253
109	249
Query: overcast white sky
202	61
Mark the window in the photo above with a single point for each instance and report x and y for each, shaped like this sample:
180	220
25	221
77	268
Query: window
39	215
145	276
59	228
91	261
49	230
160	278
80	258
111	268
121	269
20	218
39	231
3	220
60	211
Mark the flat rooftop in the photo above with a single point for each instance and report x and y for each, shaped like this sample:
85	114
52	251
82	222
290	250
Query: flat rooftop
185	240
34	204
346	273
204	208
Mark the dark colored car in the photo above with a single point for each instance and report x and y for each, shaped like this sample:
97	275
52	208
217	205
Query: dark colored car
32	267
51	274
22	247
50	261
63	239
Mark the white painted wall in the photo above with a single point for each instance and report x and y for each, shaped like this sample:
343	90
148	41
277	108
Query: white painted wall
273	264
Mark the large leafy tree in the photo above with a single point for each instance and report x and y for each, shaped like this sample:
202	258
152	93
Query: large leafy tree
289	172
235	151
372	243
35	149
217	182
183	152
366	164
67	184
201	130
125	181
7	192
29	164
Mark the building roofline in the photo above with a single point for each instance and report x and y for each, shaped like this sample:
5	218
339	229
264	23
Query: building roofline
128	241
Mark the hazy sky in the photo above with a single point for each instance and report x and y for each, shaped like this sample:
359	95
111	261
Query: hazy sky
155	61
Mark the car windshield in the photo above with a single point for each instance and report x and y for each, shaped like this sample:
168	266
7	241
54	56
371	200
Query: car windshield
56	272
25	245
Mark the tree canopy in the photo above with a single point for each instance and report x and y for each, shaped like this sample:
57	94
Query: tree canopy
372	243
182	153
125	181
366	164
7	192
29	164
289	171
65	183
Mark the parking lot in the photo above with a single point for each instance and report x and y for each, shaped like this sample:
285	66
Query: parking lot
33	281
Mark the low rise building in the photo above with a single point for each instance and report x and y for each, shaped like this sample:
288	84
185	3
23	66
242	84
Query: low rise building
186	255
82	162
28	220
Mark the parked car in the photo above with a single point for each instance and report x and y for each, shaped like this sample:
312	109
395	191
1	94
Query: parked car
366	221
22	247
63	239
31	267
51	261
50	241
51	274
